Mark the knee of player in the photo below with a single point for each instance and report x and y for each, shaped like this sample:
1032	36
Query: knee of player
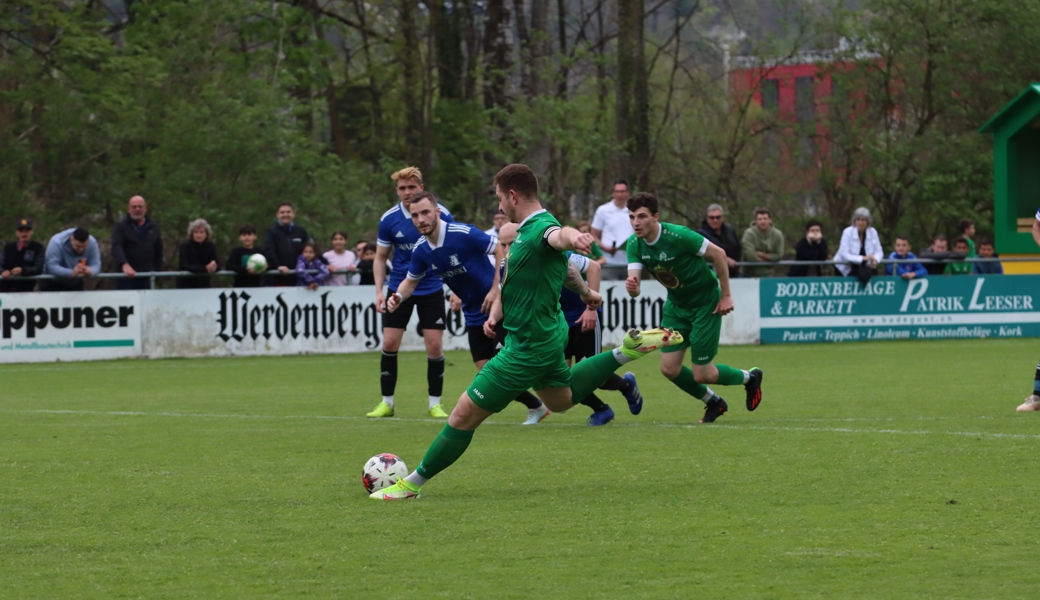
708	373
670	371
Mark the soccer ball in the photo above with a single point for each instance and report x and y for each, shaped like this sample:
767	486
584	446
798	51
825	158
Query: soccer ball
257	263
382	471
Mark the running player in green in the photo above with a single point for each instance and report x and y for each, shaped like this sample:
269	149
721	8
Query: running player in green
536	269
697	300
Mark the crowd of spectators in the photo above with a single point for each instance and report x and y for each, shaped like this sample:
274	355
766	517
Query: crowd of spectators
293	257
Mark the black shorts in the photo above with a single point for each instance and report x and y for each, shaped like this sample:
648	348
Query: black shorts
431	312
583	344
481	347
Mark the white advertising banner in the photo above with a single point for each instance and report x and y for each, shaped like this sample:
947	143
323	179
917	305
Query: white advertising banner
36	327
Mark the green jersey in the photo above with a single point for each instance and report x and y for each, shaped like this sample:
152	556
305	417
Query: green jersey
676	259
531	290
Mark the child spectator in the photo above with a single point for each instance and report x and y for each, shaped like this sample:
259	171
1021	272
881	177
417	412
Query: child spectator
309	261
810	247
240	256
364	266
904	270
967	228
198	255
341	261
960	246
988	268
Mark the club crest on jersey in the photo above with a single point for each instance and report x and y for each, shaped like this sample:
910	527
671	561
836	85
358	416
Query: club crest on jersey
453	260
667	279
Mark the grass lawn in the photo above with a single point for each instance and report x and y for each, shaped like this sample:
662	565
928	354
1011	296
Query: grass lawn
876	470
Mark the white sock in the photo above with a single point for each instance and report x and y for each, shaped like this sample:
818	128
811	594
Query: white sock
708	395
747	376
416	479
434	401
389	400
621	357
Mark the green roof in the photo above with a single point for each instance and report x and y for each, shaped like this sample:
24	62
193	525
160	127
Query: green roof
1029	95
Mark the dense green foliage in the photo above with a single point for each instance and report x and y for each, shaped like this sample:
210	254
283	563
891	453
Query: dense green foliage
222	109
880	475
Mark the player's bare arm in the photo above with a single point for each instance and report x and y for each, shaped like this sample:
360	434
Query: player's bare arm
496	290
718	257
575	283
494	316
569	238
632	282
379	275
404	292
1036	232
592	277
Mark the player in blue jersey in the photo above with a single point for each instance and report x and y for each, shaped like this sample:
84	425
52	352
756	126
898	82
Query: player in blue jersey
398	235
584	340
458	254
1032	402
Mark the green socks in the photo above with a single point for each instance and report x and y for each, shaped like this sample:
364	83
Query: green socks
730	376
587	375
449	445
688	384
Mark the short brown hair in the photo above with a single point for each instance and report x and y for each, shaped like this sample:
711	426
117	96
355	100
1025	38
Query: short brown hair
761	210
643	200
519	178
964	225
423	195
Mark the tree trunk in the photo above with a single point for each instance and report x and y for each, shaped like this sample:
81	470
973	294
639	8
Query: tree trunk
633	95
409	52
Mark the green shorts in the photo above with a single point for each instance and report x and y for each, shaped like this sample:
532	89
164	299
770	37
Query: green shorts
700	329
509	373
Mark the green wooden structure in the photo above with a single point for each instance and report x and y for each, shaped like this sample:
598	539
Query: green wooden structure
1016	166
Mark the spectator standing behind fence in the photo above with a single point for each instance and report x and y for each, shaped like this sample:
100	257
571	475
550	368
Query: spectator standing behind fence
988	268
71	255
904	270
939	250
23	258
239	258
364	265
198	255
136	246
283	244
810	247
763	243
309	261
611	228
342	262
967	229
716	230
860	249
961	267
499	219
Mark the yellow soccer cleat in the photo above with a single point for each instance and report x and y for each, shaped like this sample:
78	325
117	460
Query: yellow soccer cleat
640	343
437	412
402	490
382	410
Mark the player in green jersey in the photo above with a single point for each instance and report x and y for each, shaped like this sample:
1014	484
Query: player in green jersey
536	269
697	299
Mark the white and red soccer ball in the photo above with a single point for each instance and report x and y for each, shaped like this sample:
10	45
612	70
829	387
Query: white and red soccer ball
382	471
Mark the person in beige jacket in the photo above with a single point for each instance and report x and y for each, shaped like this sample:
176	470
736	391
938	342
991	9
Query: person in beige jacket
761	243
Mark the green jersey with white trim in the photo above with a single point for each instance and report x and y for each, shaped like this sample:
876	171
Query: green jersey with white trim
531	286
676	259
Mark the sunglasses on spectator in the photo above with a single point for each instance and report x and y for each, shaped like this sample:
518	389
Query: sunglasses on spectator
715	217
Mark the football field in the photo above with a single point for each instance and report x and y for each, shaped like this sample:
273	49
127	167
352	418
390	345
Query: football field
877	470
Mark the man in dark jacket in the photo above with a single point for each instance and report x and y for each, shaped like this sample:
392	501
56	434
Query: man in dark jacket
939	250
136	246
22	258
722	234
282	245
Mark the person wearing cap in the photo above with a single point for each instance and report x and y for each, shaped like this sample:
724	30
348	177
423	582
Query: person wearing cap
71	255
22	258
136	246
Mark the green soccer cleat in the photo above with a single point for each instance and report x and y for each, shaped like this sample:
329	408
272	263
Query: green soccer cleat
437	412
639	343
402	490
382	410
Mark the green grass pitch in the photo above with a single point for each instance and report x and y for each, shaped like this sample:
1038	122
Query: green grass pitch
880	470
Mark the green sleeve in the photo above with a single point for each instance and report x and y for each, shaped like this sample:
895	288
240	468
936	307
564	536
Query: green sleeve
694	241
971	248
948	270
632	249
596	253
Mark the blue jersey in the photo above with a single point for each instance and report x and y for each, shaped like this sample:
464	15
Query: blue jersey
460	259
570	302
397	231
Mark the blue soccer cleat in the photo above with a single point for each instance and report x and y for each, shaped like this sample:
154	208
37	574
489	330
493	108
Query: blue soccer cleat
635	399
601	418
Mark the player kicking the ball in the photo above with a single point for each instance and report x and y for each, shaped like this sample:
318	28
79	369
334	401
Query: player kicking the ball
536	268
697	300
458	253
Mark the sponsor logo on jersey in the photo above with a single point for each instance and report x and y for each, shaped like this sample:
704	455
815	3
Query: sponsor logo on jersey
453	260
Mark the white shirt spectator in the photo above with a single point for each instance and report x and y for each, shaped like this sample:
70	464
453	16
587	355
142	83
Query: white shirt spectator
613	222
850	246
340	262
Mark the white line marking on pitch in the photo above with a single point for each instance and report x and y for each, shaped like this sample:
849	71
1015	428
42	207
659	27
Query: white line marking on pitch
717	427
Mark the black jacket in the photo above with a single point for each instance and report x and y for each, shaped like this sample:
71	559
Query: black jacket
806	250
727	240
143	251
939	268
236	261
194	258
282	246
30	259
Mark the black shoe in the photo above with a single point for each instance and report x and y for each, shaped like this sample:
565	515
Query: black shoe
713	410
753	387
